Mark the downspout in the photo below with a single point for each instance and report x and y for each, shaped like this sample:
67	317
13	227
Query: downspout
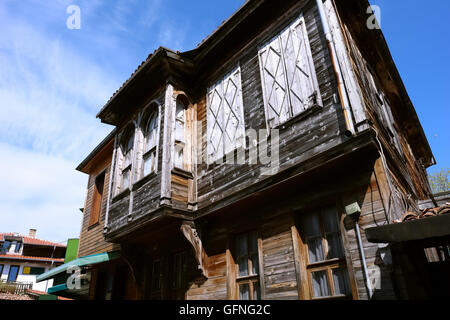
363	258
350	128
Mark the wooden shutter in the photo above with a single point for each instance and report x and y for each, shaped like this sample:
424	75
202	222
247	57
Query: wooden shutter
274	82
233	115
215	122
298	69
225	116
97	197
288	75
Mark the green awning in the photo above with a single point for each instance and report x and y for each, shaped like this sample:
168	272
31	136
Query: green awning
80	262
58	288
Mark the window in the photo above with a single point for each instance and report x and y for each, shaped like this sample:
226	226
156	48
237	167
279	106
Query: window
18	247
326	268
33	270
156	280
225	116
13	272
247	260
151	137
180	138
288	75
6	246
127	153
97	198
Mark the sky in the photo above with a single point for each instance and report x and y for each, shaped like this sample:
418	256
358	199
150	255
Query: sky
54	80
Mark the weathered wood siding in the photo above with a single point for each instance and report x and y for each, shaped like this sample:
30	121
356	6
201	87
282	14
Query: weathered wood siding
145	192
315	133
91	237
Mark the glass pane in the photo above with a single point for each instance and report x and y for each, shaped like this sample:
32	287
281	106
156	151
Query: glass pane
256	291
315	249
179	131
242	247
179	150
320	284
151	133
13	272
312	226
341	281
330	220
244	292
335	248
130	143
179	114
149	164
243	266
126	179
255	263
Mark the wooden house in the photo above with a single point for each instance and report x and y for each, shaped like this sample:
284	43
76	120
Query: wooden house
250	166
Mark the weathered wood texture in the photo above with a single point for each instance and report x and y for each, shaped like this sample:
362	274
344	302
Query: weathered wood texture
403	162
298	141
91	236
147	190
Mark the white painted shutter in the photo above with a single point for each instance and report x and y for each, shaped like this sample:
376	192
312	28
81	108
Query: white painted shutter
233	115
274	83
351	85
225	118
298	70
215	122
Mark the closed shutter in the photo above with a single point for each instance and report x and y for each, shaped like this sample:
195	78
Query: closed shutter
225	118
215	122
298	70
288	76
274	82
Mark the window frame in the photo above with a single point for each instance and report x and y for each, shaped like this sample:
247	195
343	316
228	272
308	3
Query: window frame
127	133
97	200
250	279
9	272
2	266
326	265
154	113
300	20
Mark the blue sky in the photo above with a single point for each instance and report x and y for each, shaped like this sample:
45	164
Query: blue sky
54	80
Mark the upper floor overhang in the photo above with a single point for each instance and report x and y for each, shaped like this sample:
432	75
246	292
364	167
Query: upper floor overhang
373	44
161	67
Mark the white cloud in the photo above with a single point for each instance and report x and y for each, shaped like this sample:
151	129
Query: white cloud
42	192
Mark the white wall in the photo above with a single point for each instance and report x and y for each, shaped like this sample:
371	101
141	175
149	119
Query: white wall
26	278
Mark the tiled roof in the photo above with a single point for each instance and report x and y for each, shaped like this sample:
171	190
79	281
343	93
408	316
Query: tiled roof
28	258
426	213
30	240
41	293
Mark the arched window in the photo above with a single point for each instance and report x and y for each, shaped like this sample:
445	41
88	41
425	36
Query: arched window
180	139
127	152
150	143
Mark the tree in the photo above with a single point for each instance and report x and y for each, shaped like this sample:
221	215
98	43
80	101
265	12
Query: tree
440	181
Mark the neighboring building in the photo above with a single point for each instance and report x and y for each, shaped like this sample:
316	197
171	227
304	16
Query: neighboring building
23	258
351	155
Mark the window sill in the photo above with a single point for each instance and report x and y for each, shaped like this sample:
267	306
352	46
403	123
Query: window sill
143	180
250	277
121	195
182	173
308	112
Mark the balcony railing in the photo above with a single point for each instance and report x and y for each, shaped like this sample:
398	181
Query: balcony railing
18	288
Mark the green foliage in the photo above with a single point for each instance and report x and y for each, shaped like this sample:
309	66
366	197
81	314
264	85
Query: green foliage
440	181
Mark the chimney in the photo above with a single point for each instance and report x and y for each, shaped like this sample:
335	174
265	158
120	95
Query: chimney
32	233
